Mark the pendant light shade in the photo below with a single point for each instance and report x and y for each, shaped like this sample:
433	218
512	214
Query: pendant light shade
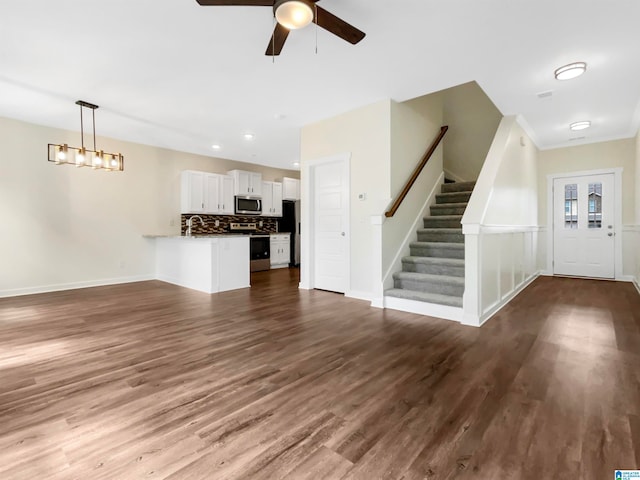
293	14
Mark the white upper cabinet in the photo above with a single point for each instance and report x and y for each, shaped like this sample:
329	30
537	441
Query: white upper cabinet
291	189
271	199
203	192
192	197
247	183
226	194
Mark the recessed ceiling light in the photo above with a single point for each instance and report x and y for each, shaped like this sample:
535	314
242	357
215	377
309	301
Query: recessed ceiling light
216	146
570	71
296	164
580	125
249	136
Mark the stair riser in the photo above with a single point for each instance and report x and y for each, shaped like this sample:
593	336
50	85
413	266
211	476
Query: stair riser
438	252
457	187
441	237
452	271
429	286
435	222
459	197
439	210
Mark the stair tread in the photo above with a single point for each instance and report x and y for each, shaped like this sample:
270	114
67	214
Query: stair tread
440	230
456	262
450	300
450	205
459	246
430	276
445	217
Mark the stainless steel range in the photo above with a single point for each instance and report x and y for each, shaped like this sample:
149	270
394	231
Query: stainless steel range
260	245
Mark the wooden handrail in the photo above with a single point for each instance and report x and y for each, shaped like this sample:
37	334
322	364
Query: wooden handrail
417	172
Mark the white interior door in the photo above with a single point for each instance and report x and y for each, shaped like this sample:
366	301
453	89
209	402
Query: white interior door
584	226
330	216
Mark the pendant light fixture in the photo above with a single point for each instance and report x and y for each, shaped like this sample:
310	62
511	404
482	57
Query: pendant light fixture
81	157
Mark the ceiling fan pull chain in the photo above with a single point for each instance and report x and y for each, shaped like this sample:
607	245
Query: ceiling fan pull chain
273	40
316	19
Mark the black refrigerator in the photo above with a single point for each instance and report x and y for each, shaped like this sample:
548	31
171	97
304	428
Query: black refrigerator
290	223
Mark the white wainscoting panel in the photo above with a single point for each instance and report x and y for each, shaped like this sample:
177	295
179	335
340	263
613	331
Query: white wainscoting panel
500	263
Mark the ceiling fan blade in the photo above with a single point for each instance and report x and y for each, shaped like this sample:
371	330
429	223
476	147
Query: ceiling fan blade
246	3
337	26
278	38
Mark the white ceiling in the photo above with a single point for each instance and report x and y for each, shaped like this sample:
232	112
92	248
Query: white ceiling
174	74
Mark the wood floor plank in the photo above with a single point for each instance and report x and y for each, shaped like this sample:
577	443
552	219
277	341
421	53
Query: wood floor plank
150	380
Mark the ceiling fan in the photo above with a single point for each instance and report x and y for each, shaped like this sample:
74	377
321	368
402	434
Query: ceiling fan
294	14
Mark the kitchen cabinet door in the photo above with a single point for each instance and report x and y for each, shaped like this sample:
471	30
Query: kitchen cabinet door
255	184
212	198
276	201
226	195
247	183
291	189
280	250
267	199
192	192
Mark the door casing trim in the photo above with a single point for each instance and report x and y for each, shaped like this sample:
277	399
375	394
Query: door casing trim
307	215
617	182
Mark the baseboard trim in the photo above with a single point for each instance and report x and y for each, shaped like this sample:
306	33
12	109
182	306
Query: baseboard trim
424	308
636	283
490	312
74	285
358	295
452	176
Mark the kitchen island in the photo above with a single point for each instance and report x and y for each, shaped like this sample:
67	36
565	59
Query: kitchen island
208	263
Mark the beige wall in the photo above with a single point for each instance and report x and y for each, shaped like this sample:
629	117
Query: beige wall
637	206
63	226
414	125
365	134
473	120
508	185
617	153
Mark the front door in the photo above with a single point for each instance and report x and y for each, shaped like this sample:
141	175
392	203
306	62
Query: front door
584	226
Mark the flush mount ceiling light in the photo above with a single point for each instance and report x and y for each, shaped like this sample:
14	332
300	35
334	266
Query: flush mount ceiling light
580	125
293	14
570	71
81	157
216	146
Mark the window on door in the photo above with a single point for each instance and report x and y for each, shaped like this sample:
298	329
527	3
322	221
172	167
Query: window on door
571	206
595	205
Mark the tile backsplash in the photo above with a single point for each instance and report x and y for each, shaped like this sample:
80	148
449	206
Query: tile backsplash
269	224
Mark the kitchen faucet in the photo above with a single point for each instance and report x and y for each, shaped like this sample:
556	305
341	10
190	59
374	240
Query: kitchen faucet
189	224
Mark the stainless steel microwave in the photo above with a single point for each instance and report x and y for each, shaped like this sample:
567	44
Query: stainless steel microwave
248	205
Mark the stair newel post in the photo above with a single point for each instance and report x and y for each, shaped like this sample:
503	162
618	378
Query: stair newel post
471	297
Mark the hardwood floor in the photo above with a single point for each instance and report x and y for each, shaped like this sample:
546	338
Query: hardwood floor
150	380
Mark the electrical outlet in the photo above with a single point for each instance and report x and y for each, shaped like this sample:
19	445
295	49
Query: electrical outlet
217	223
362	196
260	224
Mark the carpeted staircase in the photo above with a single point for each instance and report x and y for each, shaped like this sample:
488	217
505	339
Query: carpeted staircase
434	273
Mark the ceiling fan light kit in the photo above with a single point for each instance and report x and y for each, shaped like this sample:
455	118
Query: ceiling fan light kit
293	14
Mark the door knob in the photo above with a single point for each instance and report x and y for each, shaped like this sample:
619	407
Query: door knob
342	233
610	234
